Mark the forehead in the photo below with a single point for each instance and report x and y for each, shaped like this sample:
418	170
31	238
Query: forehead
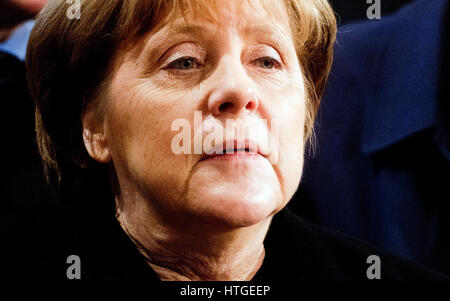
241	14
204	18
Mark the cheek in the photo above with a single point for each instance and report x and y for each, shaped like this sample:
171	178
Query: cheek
139	123
292	115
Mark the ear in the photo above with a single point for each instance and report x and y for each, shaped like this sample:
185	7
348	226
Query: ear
94	136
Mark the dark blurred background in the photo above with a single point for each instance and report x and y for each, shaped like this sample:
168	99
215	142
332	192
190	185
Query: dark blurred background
354	10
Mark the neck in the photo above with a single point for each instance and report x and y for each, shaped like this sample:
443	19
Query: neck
196	250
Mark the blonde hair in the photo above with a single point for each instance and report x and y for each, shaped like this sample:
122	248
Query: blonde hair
68	63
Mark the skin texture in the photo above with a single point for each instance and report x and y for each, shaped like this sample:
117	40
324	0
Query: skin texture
199	219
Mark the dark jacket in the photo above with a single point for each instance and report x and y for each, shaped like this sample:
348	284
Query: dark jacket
382	167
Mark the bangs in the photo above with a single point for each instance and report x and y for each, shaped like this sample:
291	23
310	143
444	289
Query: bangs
139	17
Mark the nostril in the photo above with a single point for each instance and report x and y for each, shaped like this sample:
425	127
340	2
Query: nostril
225	106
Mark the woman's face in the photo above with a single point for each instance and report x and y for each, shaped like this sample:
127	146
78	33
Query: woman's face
241	69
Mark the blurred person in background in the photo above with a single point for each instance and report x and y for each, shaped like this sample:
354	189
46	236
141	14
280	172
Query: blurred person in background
18	109
22	181
354	10
381	168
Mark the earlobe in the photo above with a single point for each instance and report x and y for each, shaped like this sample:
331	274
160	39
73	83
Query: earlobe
95	139
96	146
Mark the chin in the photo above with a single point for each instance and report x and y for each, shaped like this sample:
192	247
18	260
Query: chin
236	207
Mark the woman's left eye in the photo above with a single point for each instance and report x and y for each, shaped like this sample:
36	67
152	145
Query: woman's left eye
267	63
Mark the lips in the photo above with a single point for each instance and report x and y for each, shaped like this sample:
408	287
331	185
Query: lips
233	149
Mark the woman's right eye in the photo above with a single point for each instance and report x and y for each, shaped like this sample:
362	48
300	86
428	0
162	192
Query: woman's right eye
184	63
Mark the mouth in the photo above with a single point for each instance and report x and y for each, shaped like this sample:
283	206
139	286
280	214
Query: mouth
241	150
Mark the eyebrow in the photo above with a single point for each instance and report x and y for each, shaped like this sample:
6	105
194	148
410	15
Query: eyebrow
275	34
187	29
169	34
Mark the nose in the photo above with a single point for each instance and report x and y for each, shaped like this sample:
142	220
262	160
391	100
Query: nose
234	93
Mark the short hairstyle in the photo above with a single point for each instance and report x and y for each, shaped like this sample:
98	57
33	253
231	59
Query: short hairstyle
68	62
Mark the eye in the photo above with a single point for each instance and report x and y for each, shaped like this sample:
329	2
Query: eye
267	63
184	63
